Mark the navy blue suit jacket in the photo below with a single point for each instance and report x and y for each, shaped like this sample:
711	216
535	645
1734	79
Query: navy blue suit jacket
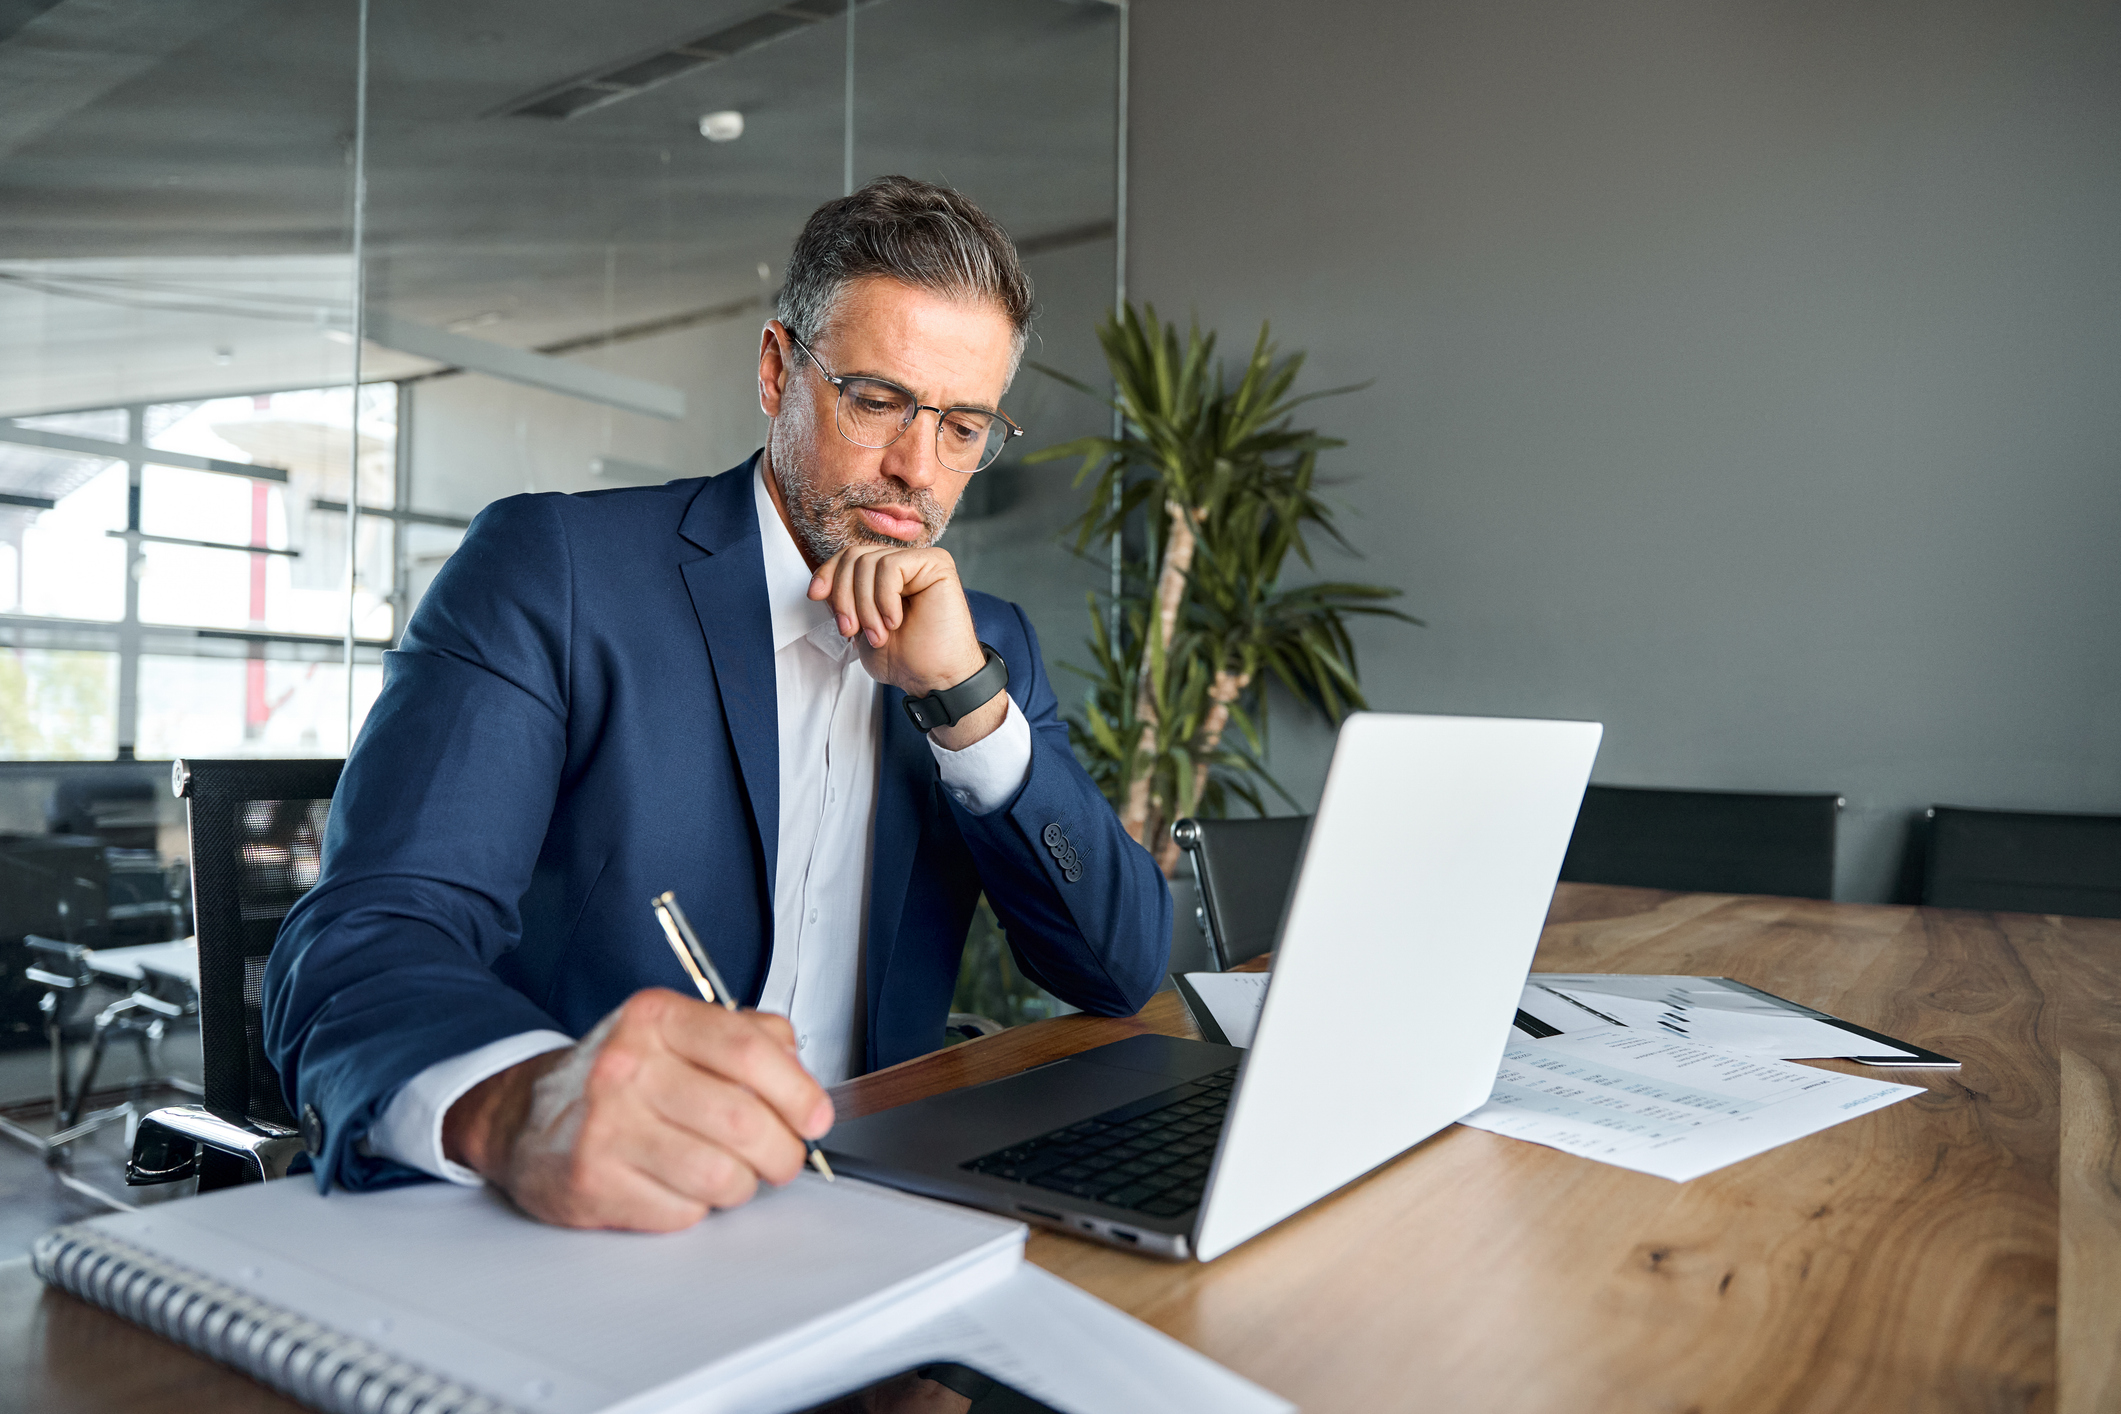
582	714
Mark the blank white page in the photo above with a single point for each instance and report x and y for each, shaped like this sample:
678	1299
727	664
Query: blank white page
550	1319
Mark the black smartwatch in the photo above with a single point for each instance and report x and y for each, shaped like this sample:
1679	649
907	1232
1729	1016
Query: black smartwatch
953	704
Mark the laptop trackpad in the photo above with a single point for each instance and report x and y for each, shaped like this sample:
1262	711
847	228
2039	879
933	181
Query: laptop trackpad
964	1124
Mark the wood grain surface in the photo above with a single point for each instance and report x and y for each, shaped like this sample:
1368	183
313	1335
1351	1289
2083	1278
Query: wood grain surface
1958	1251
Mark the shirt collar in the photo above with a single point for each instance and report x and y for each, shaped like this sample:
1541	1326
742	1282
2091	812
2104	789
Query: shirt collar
795	614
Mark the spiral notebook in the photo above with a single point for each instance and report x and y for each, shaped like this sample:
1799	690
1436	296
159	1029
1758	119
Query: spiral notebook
448	1301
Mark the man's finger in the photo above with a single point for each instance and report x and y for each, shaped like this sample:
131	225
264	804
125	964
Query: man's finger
782	1028
887	588
843	590
722	1114
737	1047
615	1195
693	1166
865	606
821	577
595	1179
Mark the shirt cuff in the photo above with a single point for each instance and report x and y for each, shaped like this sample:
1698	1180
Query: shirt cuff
410	1130
984	776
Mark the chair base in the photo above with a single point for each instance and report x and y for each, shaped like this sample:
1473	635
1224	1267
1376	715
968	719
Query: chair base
185	1141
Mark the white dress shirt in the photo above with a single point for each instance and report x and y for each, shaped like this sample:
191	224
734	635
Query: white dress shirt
829	735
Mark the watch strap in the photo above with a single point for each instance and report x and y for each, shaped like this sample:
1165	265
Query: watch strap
953	704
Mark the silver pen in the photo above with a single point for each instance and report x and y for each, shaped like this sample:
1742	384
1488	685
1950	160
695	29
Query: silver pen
700	967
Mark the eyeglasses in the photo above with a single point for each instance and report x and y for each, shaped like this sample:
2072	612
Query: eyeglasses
873	413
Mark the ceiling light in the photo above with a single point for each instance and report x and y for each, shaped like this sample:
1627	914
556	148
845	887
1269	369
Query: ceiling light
724	126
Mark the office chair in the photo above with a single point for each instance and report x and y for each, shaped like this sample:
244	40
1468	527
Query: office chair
257	836
1703	841
67	974
2024	861
1245	869
114	801
52	886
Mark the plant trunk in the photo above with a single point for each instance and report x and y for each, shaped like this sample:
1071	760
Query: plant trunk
1142	814
1167	855
1226	689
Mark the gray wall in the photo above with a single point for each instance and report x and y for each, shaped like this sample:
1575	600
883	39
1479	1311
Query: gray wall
1748	376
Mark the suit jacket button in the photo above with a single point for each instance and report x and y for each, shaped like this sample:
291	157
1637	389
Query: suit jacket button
1052	836
1073	873
313	1131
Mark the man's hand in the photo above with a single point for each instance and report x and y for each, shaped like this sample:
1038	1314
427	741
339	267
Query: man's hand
670	1107
916	632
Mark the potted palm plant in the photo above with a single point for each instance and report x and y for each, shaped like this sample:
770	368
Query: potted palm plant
1221	486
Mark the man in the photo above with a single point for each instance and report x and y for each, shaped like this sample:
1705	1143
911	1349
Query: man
703	687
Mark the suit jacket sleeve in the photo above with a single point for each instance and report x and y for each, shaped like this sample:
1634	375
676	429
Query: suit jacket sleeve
1086	909
386	967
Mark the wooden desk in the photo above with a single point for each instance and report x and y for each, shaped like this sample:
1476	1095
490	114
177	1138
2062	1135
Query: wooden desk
1960	1250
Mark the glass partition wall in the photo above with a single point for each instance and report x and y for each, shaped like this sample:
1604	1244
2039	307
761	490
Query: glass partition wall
289	292
569	226
615	198
176	400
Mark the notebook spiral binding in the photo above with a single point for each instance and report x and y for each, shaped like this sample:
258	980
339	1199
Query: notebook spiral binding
322	1368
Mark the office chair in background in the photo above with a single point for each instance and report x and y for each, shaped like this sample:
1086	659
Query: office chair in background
257	836
1702	841
1245	869
2024	861
55	904
141	1015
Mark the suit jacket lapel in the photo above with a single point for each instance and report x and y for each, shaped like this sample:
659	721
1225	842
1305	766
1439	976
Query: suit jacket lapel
728	590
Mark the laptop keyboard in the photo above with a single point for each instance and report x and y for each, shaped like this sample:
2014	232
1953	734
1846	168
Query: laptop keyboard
1150	1155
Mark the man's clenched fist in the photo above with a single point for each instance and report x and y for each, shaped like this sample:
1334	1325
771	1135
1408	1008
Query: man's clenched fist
669	1108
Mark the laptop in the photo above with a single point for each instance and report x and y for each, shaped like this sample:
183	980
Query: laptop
1398	967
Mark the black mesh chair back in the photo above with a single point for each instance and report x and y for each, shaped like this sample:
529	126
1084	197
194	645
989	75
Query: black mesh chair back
1705	841
257	839
2023	861
1245	869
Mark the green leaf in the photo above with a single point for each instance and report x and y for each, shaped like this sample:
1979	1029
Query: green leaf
1219	441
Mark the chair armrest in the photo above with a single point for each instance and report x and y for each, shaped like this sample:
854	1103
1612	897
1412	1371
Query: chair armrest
971	1026
59	966
166	1146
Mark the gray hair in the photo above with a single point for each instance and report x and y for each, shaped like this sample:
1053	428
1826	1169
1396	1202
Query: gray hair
916	233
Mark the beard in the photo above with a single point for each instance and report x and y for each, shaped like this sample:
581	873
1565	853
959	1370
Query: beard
825	522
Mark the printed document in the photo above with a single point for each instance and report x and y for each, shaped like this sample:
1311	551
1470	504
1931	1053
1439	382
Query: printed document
1665	1105
1233	999
1690	1008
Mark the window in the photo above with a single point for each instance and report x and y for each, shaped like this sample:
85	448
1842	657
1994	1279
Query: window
288	707
57	705
165	599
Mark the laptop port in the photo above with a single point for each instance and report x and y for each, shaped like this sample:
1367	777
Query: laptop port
1125	1236
1040	1213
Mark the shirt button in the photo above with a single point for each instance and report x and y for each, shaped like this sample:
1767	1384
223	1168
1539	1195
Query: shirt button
813	915
831	794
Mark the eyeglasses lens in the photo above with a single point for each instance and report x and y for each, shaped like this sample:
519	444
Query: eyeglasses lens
873	414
